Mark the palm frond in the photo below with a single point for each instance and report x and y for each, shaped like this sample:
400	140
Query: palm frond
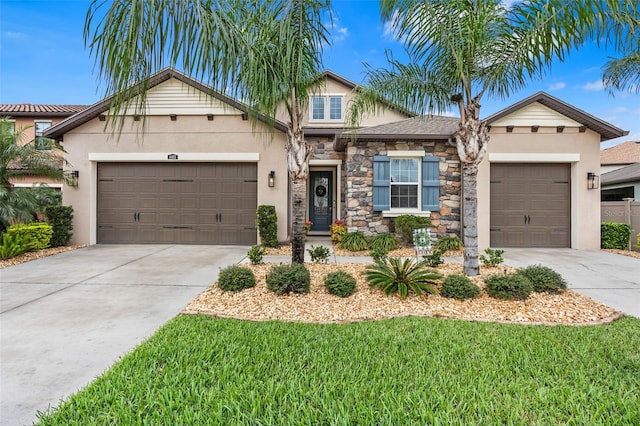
623	73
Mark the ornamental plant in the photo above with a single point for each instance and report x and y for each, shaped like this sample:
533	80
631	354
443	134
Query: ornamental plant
236	278
398	275
406	224
492	257
340	283
307	226
293	278
338	229
267	223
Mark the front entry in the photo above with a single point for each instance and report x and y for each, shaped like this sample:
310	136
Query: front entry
321	200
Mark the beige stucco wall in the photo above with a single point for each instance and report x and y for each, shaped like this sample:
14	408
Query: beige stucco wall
193	138
581	150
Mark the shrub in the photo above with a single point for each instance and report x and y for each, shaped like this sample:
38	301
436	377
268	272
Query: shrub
255	254
340	283
289	278
638	241
384	241
38	233
544	279
61	220
307	226
267	223
615	235
338	229
354	241
378	253
13	245
509	286
396	275
319	254
459	287
434	259
493	257
236	278
405	225
449	243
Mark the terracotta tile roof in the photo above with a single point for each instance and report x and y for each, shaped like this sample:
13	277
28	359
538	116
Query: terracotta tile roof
624	153
40	110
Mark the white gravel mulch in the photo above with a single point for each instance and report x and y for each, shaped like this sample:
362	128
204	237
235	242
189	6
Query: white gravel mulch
260	304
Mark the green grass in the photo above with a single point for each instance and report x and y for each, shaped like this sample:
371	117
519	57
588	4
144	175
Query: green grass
410	371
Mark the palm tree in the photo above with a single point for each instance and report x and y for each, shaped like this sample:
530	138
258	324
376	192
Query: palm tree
623	73
461	51
266	53
17	161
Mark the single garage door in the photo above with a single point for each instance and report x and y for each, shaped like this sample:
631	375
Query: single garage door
179	203
530	205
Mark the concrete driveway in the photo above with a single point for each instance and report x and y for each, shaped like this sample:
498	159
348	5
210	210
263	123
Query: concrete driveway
65	319
609	278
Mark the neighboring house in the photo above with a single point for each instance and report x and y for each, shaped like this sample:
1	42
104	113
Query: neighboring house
200	170
35	119
621	183
619	156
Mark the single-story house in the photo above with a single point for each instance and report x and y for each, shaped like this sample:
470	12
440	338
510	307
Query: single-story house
619	156
200	170
621	183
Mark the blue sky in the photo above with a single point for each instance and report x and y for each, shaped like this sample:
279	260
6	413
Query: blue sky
43	60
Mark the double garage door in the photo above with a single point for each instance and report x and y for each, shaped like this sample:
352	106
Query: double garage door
178	203
530	205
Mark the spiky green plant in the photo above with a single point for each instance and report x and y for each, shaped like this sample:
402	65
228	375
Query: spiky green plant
398	275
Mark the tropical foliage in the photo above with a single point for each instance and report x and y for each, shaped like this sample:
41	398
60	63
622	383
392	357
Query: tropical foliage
269	54
397	275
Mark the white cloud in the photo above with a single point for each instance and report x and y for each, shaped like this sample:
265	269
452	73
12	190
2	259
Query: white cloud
508	4
338	32
556	86
619	110
593	86
15	35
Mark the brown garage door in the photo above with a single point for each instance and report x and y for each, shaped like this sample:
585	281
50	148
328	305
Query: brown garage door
530	205
181	203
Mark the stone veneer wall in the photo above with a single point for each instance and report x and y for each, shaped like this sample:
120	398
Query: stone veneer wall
359	214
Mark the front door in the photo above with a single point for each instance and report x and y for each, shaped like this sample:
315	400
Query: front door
321	200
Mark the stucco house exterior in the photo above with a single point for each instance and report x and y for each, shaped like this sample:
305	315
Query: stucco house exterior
200	170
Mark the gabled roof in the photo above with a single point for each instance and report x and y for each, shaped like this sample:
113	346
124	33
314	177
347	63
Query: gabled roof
626	174
98	108
39	110
605	130
624	153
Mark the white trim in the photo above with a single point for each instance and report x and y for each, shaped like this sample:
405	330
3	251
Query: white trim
416	153
327	108
325	162
182	156
33	185
93	203
400	212
534	158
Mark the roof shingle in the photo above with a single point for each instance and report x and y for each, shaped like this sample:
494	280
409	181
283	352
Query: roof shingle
624	153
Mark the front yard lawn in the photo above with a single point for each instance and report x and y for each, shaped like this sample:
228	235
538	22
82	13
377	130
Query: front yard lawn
203	370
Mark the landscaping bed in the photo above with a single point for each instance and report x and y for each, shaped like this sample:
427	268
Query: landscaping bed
318	306
33	255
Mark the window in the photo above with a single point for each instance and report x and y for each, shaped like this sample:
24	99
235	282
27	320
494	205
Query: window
406	183
42	143
332	104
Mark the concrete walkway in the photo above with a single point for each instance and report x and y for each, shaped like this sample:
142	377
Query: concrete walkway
64	319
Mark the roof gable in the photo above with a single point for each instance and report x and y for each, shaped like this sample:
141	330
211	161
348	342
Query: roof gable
605	130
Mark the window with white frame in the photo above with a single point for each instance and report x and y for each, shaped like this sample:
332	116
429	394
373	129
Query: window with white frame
42	143
327	108
404	182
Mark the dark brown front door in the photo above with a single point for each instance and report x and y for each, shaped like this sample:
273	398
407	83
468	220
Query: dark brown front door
530	205
180	203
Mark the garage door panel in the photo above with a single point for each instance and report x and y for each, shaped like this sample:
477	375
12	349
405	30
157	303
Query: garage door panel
177	203
530	205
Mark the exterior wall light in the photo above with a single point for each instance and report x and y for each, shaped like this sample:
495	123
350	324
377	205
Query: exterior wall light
593	180
74	177
272	179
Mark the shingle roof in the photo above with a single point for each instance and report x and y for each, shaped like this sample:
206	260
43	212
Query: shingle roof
624	153
16	110
626	174
422	127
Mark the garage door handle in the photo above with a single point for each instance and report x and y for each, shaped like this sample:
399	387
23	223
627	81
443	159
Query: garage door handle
529	220
220	216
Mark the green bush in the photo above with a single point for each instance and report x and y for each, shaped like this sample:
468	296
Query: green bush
435	258
449	243
383	241
378	253
13	245
459	287
638	241
615	235
396	275
61	220
493	257
544	279
255	254
236	278
289	278
406	224
510	286
340	283
319	254
354	241
267	223
39	233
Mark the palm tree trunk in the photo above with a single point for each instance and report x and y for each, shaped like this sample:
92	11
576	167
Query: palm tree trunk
298	154
299	197
470	218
